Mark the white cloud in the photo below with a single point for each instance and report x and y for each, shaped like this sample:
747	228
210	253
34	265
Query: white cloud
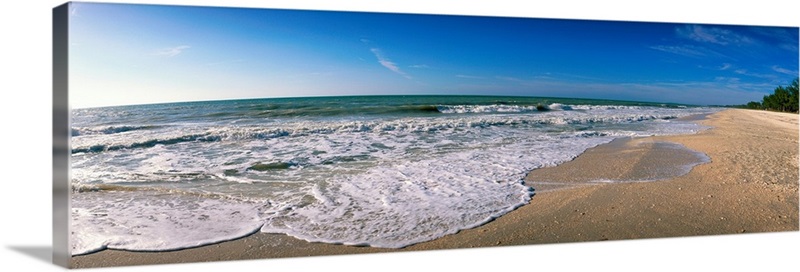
508	78
748	73
691	51
778	69
729	80
788	46
786	38
686	51
73	9
420	66
172	51
470	77
388	63
713	35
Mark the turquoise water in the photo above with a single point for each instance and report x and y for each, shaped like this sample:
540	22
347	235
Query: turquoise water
384	171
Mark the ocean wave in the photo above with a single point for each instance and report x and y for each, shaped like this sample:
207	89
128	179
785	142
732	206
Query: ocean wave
609	107
80	131
502	108
291	111
146	144
176	135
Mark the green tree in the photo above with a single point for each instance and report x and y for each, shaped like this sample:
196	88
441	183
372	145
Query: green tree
769	102
794	99
754	105
782	99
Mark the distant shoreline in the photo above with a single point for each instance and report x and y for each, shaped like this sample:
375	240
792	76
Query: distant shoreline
750	185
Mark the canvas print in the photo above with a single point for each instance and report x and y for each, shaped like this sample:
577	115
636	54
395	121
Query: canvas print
205	133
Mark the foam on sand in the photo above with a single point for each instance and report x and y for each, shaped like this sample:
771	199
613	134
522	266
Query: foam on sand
156	221
636	160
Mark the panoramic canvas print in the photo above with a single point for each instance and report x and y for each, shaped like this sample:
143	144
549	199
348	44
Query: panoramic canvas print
207	134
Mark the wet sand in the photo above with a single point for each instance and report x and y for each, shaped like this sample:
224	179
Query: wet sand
750	185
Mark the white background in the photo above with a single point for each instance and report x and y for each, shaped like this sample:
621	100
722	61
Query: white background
26	150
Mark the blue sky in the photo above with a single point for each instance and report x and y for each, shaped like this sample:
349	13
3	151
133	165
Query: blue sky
135	54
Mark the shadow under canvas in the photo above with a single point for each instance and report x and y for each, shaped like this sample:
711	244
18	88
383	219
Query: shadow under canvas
42	253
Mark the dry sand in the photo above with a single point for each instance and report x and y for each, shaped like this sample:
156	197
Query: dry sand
750	185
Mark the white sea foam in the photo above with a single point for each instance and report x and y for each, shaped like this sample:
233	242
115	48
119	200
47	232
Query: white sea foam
148	221
486	109
386	182
402	202
195	133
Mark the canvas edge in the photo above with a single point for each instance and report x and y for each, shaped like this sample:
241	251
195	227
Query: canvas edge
61	129
61	134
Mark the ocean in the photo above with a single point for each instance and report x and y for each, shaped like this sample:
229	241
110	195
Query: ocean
381	171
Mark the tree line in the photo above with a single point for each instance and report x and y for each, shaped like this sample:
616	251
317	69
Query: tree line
783	99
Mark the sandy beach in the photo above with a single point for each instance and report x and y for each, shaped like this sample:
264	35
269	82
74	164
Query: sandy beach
750	185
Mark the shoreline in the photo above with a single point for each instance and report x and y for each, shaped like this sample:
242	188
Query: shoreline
750	185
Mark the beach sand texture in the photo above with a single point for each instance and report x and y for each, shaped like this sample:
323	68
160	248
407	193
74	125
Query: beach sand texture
750	185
